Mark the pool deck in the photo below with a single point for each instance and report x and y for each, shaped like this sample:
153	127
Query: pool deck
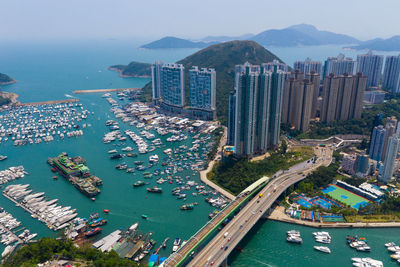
278	214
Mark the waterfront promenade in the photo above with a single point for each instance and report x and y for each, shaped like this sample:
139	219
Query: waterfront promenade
203	173
103	90
279	214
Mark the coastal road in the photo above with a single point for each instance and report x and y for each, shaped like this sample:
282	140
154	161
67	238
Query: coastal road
218	249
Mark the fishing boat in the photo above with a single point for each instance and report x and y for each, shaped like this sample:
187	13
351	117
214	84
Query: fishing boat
144	216
138	162
3	157
106	211
139	183
154	189
116	156
187	207
93	232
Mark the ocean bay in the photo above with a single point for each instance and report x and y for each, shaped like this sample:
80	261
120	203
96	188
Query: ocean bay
47	72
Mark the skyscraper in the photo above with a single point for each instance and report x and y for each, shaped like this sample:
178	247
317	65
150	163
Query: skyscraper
390	127
298	97
342	97
270	66
371	66
329	95
156	79
391	74
202	85
391	155
377	142
307	66
231	119
339	65
258	94
173	85
315	78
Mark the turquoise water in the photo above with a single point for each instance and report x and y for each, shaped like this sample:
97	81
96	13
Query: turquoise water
266	246
49	71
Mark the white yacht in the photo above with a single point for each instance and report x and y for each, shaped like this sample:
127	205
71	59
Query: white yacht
322	249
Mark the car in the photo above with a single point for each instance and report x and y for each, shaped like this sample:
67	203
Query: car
222	247
212	263
226	248
229	239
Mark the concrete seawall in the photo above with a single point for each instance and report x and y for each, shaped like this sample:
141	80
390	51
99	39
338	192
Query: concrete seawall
103	90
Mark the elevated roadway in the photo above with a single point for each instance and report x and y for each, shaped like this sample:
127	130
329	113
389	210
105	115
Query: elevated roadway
218	249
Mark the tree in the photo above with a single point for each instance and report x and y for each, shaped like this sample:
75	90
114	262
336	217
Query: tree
284	147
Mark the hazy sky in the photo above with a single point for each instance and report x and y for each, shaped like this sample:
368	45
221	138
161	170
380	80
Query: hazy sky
94	19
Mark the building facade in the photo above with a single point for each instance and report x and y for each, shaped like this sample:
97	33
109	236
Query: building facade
257	97
297	101
342	97
377	142
371	66
173	85
202	87
307	66
156	79
275	64
391	74
391	156
339	65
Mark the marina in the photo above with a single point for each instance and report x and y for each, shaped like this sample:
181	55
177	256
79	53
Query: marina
56	217
35	124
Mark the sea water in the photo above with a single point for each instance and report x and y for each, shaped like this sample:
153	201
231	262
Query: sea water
52	70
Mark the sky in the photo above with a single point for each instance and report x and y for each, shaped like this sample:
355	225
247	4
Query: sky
150	19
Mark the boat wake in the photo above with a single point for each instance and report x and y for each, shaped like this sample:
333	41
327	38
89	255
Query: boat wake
264	263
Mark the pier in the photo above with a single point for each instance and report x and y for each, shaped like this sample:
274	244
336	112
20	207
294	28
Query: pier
51	102
103	90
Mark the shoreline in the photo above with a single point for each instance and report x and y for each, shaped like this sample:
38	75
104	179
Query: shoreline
128	76
279	215
10	82
203	173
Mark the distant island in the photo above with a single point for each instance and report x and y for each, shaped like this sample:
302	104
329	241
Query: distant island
174	42
5	79
223	58
302	34
133	69
379	44
296	35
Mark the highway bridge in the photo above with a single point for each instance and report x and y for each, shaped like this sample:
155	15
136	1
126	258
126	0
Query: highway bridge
211	248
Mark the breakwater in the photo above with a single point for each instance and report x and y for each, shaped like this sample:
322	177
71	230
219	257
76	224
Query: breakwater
103	90
51	102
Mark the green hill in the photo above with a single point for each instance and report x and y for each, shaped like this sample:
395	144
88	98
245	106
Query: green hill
174	42
5	79
223	58
133	69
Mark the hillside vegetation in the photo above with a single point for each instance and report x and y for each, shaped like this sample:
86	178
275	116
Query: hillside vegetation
133	69
5	79
223	58
49	248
